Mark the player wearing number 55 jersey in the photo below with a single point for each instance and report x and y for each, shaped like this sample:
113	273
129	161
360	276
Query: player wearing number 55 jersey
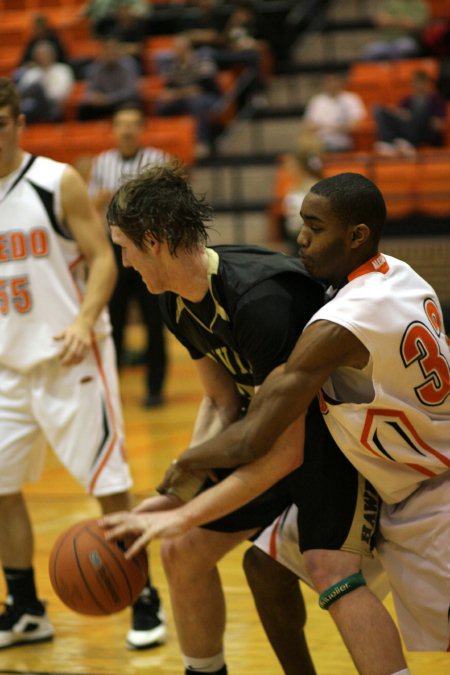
58	383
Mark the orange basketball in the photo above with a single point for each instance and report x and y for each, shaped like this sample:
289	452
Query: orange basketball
91	575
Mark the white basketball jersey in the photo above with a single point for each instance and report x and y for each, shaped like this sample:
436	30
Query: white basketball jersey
391	419
42	271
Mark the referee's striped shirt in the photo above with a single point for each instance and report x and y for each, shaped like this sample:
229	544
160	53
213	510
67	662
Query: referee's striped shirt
110	169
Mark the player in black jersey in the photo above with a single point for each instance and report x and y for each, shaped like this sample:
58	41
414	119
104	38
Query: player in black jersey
238	310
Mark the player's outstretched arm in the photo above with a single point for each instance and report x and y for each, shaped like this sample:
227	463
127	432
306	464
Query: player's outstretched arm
240	487
284	396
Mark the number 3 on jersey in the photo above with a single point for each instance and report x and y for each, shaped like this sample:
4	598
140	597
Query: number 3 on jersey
420	344
15	295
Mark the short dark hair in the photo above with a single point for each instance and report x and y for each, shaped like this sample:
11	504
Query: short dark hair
159	202
134	106
354	199
9	96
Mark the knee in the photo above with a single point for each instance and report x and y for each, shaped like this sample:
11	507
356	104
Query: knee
326	568
181	563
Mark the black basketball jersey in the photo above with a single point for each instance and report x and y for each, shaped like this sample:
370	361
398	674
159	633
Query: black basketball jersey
258	304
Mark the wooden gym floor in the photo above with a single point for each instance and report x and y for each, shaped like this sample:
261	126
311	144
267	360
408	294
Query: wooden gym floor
96	646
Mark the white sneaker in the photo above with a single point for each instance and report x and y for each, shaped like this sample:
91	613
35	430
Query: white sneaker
149	626
21	625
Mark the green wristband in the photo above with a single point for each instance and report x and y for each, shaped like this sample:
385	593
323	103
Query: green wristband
341	588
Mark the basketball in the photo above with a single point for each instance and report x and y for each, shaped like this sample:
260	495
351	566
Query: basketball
91	575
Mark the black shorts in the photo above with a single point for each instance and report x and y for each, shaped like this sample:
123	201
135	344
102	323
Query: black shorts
338	508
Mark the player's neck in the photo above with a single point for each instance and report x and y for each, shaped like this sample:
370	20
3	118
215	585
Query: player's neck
192	280
9	166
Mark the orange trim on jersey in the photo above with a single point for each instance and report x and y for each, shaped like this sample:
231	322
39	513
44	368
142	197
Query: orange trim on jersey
399	414
76	262
273	539
376	264
110	411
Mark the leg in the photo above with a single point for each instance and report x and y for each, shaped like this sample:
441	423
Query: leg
281	608
366	627
118	306
148	622
16	534
195	589
156	352
24	620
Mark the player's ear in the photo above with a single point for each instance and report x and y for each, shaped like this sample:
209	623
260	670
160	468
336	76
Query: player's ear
360	234
152	243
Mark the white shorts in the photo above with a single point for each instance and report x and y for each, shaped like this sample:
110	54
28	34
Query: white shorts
414	547
280	542
76	410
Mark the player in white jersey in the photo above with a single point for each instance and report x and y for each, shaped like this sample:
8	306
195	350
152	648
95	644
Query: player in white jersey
378	356
109	170
57	363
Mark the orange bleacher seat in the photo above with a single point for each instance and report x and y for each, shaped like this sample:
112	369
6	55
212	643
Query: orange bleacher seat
149	88
433	193
343	162
397	180
175	135
77	31
372	81
364	134
13	35
9	59
68	141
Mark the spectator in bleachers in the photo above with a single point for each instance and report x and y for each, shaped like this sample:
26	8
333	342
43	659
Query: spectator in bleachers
130	30
399	24
42	30
418	119
101	13
203	25
333	113
191	88
111	80
236	43
44	84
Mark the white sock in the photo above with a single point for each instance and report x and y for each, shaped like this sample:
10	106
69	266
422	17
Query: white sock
405	671
210	664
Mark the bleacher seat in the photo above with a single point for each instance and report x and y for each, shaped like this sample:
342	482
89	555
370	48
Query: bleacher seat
68	141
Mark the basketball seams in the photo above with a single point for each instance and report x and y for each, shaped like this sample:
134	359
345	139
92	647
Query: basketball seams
83	576
111	552
86	587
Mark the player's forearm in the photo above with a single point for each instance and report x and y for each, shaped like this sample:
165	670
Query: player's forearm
100	285
249	481
277	404
212	418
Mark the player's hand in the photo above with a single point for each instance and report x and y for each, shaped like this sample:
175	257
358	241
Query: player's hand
173	475
76	341
143	527
158	503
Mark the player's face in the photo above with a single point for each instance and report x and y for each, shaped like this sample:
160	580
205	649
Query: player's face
9	140
143	261
324	241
